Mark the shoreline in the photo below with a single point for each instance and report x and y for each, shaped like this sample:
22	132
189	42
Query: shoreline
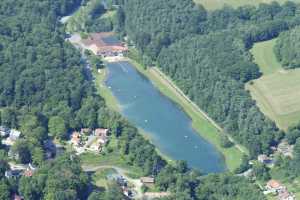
200	121
113	104
232	156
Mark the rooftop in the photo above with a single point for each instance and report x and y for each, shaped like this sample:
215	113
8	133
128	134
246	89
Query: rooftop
102	39
101	132
274	184
103	42
147	179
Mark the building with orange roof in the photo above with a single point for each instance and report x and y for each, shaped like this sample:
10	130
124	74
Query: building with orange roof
104	44
274	186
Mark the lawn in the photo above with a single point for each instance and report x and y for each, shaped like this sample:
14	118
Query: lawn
206	129
217	4
114	159
99	178
277	91
265	57
277	95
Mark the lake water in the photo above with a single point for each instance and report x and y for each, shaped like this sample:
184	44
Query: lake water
165	123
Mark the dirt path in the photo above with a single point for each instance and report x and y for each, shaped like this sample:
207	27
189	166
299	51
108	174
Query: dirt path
169	83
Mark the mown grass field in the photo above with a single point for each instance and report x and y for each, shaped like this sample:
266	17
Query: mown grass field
264	56
277	92
208	131
217	4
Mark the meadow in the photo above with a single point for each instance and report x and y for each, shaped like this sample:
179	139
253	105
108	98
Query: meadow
217	4
277	92
265	58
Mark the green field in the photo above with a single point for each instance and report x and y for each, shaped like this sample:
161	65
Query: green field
264	56
277	92
99	178
217	4
207	130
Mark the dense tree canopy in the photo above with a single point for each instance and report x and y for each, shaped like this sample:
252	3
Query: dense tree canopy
45	91
161	22
207	70
61	179
287	48
206	54
186	185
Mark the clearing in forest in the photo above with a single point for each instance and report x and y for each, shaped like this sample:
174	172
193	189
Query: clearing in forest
265	58
277	92
217	4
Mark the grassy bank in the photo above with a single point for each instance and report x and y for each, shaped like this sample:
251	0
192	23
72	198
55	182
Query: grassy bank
104	91
113	103
205	128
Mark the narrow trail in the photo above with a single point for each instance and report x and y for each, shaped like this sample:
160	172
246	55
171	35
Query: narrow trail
169	83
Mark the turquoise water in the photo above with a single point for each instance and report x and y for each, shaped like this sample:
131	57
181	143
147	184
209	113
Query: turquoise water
166	124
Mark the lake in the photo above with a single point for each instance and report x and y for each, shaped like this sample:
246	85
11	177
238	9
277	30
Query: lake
168	127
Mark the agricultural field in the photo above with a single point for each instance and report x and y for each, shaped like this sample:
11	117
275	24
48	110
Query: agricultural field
217	4
277	92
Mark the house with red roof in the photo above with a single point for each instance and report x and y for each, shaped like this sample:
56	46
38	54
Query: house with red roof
104	44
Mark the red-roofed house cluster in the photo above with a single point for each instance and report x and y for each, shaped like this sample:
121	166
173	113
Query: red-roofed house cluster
275	187
91	140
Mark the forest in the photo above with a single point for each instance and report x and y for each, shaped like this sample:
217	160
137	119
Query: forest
207	55
45	93
287	48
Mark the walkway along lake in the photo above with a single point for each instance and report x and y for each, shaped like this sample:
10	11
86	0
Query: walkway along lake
165	123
